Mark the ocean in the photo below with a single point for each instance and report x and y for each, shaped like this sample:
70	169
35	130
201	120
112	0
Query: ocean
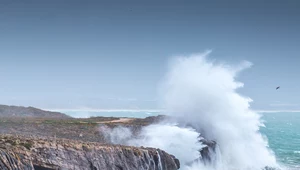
281	129
283	133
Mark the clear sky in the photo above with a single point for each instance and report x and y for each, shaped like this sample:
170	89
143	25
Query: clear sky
113	54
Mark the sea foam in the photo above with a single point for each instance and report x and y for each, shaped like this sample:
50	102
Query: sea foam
202	93
202	97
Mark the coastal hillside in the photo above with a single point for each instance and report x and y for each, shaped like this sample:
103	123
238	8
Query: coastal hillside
85	129
20	111
33	139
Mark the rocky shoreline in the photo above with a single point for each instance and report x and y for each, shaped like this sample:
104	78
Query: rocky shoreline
42	140
18	152
34	139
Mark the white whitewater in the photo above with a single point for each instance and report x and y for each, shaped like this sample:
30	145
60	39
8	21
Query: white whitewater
159	161
202	94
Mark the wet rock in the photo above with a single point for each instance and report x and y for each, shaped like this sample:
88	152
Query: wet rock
206	153
209	150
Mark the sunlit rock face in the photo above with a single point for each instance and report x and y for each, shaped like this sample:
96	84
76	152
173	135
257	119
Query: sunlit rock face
21	153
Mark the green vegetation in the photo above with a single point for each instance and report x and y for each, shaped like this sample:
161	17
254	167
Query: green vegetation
27	145
69	128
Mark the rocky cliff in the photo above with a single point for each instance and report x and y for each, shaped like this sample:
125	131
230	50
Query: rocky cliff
10	160
42	154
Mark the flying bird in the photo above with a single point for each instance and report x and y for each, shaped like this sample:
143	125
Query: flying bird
277	87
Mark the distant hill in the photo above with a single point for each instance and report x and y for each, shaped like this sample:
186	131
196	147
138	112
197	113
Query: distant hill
20	111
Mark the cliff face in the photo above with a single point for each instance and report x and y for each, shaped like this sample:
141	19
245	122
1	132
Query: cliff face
108	157
10	160
40	154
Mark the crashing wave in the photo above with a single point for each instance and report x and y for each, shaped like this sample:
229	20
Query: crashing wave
202	94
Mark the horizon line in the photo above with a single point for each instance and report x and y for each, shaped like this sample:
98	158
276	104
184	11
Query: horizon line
106	110
150	110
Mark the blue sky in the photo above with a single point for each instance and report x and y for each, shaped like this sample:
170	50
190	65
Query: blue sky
112	54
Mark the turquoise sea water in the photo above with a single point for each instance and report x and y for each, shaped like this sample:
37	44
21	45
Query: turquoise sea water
283	133
281	129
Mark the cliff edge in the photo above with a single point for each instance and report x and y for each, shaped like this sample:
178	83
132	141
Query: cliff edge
51	154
